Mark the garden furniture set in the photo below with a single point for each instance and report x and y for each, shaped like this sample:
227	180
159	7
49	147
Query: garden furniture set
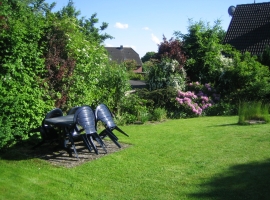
80	123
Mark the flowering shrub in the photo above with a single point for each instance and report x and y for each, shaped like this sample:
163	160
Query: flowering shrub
166	73
198	98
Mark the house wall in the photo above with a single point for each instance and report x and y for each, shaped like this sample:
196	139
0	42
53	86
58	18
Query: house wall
138	70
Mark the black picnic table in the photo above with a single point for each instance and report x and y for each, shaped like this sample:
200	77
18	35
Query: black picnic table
69	125
63	122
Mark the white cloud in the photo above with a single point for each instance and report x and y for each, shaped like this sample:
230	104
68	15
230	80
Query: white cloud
155	39
146	28
120	25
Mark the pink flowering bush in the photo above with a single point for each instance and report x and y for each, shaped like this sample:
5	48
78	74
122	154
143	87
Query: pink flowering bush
197	98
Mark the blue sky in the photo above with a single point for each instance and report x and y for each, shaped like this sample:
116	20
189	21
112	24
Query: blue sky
141	24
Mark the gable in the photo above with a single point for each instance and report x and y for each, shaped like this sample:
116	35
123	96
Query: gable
249	29
120	54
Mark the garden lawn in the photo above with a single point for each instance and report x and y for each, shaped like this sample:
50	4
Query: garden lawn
198	158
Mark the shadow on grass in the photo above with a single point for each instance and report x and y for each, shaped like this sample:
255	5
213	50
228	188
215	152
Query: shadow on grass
56	155
23	150
247	181
234	124
237	124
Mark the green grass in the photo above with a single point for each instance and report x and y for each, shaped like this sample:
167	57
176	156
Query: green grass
198	158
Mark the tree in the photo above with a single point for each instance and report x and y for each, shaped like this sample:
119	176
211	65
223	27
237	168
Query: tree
244	79
148	56
235	75
91	31
47	61
23	91
70	54
130	65
264	58
203	47
87	25
59	64
172	49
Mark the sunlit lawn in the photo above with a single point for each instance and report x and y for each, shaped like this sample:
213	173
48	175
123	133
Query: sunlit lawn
198	158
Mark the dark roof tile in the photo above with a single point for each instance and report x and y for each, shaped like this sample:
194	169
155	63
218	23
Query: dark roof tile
120	54
249	29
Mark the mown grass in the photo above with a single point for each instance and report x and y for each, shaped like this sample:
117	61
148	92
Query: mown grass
199	158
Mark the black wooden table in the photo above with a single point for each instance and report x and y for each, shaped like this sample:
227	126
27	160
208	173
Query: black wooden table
64	122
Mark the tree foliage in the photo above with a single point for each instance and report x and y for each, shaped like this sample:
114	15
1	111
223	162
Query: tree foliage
236	76
87	26
172	49
165	68
50	60
264	58
23	91
202	45
165	74
244	78
148	56
59	65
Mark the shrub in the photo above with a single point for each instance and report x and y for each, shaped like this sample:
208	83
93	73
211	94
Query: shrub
172	49
197	99
23	91
203	46
125	118
111	86
264	58
244	78
143	115
165	74
222	108
161	98
159	114
135	76
131	108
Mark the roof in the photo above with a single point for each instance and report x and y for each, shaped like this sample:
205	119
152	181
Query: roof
249	29
137	84
120	54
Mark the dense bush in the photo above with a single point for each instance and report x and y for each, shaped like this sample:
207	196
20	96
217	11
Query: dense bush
51	60
236	76
264	58
130	109
23	92
197	98
202	46
165	74
161	99
59	64
244	79
112	85
222	108
172	49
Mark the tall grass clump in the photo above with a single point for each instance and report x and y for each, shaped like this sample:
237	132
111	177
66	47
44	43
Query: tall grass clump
159	114
255	110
